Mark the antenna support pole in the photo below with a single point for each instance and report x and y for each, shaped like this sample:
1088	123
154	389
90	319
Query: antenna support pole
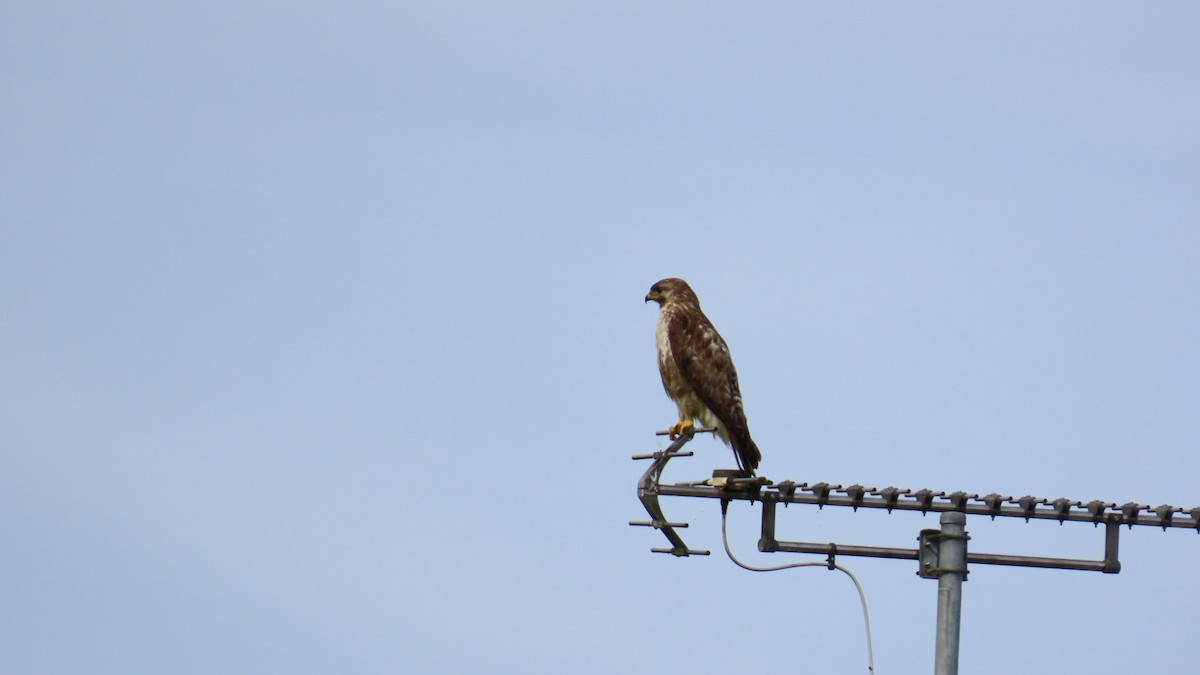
951	570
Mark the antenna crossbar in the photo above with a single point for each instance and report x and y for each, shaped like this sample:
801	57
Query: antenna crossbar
941	554
925	501
994	505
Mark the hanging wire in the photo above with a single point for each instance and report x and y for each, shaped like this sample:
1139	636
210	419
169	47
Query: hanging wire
862	597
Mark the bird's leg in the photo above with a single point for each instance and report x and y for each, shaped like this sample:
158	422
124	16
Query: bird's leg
679	429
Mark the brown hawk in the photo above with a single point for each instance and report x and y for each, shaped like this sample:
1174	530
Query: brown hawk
697	371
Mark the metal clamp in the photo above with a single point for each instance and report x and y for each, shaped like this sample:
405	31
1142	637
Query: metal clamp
928	554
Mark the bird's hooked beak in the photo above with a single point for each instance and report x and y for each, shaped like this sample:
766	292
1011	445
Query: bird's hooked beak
655	294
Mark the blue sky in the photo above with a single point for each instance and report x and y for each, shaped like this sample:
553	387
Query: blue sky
323	344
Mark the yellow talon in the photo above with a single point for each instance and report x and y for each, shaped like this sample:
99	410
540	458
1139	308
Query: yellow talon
679	429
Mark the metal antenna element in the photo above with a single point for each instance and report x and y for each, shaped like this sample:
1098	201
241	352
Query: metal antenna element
941	554
648	493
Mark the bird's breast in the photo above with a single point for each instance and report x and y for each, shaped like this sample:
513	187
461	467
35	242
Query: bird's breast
673	381
662	338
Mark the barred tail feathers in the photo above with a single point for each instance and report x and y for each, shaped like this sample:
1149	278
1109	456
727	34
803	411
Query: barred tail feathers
746	451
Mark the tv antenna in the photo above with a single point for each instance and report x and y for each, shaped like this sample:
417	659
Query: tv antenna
940	554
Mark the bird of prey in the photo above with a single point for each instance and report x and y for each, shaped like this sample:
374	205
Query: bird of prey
697	371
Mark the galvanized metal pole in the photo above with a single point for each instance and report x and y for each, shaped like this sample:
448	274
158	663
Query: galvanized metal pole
952	568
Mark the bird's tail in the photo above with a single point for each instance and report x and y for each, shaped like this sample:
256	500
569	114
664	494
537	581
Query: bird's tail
746	451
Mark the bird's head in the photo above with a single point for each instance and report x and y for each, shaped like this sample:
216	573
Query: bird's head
669	290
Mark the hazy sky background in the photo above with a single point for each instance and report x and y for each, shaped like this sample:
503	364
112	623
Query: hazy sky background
323	348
